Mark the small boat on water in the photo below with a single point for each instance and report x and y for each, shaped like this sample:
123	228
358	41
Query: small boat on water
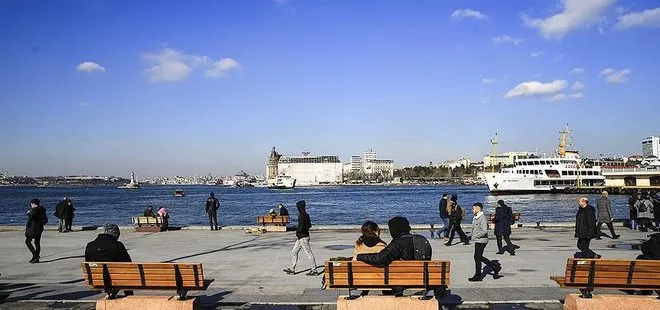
282	182
179	193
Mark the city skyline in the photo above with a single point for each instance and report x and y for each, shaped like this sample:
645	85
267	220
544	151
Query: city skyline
104	87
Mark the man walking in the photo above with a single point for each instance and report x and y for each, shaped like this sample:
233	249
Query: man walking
302	233
34	228
585	228
444	216
605	215
480	239
212	206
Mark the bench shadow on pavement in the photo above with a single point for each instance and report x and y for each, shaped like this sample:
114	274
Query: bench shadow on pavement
236	246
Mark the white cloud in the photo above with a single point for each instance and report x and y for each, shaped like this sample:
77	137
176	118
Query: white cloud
575	14
576	96
506	39
647	18
89	66
170	65
607	71
558	97
618	77
577	71
535	88
488	81
222	67
577	86
558	58
535	54
461	14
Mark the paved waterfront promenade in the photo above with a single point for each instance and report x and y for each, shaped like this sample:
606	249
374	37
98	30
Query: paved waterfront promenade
248	268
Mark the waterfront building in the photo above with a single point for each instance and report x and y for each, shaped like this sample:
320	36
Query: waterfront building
370	155
632	176
311	170
452	164
506	159
384	167
356	164
651	147
272	168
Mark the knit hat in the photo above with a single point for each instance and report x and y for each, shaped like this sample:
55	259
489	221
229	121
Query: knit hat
112	230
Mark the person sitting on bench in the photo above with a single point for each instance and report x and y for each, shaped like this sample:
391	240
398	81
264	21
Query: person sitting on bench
400	248
368	243
108	248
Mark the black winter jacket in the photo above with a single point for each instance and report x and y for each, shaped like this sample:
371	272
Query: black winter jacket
304	222
106	249
502	220
37	218
585	223
442	208
456	215
401	247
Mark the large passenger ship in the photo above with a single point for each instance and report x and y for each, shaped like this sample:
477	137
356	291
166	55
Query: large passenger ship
557	173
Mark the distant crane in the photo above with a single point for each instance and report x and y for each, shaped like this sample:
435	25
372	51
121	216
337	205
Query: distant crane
493	143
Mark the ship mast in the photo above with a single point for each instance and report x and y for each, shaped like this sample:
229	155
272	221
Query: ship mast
493	155
563	142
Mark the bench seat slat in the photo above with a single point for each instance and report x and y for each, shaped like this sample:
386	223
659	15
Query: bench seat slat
613	262
409	274
116	277
154	276
619	274
138	283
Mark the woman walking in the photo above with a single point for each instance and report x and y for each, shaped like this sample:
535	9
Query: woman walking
456	217
503	220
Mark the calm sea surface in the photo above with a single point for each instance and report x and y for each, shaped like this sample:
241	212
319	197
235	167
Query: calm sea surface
326	205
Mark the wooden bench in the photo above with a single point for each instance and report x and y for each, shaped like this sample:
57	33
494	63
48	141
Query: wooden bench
113	277
148	224
618	274
273	222
429	275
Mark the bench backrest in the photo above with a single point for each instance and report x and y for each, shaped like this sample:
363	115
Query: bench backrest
267	219
143	276
409	274
614	273
147	220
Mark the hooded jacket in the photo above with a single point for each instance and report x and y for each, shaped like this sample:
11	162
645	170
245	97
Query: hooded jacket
503	219
369	245
442	208
106	249
585	223
401	246
60	209
304	222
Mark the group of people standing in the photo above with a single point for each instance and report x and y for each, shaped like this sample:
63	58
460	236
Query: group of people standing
644	211
65	212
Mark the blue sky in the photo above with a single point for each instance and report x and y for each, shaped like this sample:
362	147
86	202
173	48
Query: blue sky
186	87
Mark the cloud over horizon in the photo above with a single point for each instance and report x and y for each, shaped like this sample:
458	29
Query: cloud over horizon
536	89
170	65
89	67
461	14
575	14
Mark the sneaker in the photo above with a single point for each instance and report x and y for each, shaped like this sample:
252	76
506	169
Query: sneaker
475	279
448	244
516	246
512	253
289	271
616	236
34	260
500	253
497	269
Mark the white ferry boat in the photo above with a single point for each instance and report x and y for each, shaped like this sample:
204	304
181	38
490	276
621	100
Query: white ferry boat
282	182
545	174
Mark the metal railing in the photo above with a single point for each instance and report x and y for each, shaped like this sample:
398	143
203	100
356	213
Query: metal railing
632	169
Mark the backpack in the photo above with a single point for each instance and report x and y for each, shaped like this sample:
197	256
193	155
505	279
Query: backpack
642	206
651	248
423	250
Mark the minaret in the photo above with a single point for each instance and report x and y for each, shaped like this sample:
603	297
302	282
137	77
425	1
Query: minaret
273	160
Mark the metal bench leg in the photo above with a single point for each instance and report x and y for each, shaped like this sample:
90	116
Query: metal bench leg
586	292
182	294
426	294
351	297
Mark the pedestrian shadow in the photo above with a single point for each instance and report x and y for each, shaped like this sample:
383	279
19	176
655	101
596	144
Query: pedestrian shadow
77	295
62	258
488	270
213	299
449	301
235	246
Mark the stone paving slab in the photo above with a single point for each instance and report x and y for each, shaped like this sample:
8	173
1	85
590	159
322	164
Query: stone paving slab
248	268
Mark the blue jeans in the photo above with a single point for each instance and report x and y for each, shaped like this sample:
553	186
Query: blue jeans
445	228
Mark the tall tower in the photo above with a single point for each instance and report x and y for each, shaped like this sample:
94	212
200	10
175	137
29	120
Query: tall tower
273	160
